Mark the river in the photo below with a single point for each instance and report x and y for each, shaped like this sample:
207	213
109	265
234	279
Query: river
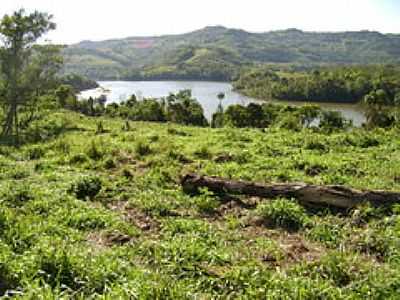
204	92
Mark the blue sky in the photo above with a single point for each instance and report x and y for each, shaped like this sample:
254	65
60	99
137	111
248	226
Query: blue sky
96	20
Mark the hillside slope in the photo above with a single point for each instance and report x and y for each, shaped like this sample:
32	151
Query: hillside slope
89	215
218	52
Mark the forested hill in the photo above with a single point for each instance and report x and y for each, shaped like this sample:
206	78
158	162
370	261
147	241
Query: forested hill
218	52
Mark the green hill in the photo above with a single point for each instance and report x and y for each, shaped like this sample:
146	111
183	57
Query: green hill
218	53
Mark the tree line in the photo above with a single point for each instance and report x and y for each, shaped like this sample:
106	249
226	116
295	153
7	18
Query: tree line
333	84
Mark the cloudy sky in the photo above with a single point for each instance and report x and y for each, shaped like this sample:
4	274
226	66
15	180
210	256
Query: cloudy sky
97	20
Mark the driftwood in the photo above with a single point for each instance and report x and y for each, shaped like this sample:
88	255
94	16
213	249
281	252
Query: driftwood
332	195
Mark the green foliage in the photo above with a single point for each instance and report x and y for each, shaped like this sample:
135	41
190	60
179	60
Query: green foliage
100	128
331	120
27	70
183	109
86	187
206	202
217	53
283	213
95	151
139	232
78	83
376	84
142	148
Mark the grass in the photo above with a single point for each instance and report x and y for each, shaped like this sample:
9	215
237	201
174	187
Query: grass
86	214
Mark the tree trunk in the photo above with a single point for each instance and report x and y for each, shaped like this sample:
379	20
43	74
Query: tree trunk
337	196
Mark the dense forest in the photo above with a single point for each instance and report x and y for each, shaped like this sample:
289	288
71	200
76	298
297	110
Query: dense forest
334	84
217	53
78	82
95	201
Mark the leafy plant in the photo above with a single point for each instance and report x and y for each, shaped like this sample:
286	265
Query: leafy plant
86	187
283	213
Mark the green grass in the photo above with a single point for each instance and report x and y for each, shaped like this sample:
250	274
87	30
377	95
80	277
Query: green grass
86	214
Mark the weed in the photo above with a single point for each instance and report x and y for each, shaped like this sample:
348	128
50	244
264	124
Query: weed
142	148
86	187
283	213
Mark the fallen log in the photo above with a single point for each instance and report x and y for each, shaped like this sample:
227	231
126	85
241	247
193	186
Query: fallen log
331	195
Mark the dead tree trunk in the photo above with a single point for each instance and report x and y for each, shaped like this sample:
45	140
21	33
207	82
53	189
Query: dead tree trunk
337	196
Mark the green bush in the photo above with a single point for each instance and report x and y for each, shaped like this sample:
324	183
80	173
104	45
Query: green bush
94	151
35	152
86	187
100	127
18	195
283	213
332	120
109	163
57	269
79	158
142	148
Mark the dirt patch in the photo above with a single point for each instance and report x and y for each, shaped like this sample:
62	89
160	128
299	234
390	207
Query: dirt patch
125	158
294	249
224	158
236	206
108	239
232	207
135	216
297	250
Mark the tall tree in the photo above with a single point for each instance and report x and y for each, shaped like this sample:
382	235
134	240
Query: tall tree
19	33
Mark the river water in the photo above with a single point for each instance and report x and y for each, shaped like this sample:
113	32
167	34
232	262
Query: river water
205	92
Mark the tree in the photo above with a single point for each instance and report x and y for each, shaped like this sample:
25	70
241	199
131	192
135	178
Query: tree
65	95
221	96
377	109
19	32
182	108
331	120
217	120
236	116
308	113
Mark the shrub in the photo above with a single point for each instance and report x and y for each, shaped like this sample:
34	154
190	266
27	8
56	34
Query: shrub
86	187
146	110
94	151
6	282
331	120
34	153
205	202
290	122
127	173
62	146
182	108
3	221
79	158
341	270
313	144
142	148
19	195
283	213
57	268
203	153
109	163
100	127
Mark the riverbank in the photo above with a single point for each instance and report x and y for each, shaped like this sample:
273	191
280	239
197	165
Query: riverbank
206	93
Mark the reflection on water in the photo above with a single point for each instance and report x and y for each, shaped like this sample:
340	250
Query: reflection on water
204	92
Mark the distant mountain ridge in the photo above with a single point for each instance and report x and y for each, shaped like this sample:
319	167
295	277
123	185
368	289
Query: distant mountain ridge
217	53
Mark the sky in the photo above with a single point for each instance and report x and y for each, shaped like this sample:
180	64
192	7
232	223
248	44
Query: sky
79	20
